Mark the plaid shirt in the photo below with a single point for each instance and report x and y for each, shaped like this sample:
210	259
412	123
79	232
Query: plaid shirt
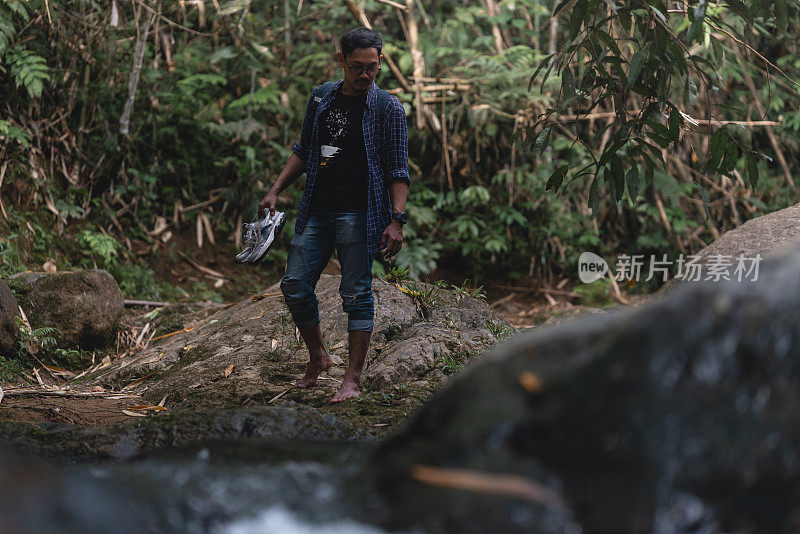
387	158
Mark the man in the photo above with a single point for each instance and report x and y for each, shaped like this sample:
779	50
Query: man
354	201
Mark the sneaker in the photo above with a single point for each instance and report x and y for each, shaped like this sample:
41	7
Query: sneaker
266	236
250	234
249	240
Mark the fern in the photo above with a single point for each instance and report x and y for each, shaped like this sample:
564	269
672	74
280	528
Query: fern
102	245
8	8
10	132
28	70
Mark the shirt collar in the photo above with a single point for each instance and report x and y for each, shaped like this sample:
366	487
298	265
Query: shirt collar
372	93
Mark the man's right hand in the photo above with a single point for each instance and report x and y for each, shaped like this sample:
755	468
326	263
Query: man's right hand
268	201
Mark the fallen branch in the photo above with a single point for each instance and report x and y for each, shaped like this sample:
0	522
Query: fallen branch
173	333
199	267
64	393
130	302
201	204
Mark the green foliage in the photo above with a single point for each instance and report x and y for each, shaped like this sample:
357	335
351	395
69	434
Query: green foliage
449	364
499	329
202	292
135	281
100	245
10	261
464	291
597	294
28	70
9	132
220	112
652	66
396	274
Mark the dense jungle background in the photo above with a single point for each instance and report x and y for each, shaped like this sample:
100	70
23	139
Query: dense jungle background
137	136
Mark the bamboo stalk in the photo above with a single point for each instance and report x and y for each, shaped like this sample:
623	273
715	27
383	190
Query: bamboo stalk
133	79
444	146
131	302
394	4
772	139
419	64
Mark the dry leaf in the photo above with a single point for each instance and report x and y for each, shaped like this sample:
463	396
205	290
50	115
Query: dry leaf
1	394
134	414
163	401
274	343
488	483
199	233
38	378
98	389
149	407
58	371
530	382
218	283
229	370
166	236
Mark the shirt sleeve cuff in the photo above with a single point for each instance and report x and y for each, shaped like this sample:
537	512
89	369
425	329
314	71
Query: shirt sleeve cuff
398	174
300	151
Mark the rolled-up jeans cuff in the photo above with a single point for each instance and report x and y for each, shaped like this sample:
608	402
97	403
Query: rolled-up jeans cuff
306	323
361	325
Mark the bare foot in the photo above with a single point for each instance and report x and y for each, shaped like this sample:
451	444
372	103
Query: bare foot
349	390
313	371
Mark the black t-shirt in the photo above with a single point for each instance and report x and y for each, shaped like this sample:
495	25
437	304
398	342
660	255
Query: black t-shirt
341	182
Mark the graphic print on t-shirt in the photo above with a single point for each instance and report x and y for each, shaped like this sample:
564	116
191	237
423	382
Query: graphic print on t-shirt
336	123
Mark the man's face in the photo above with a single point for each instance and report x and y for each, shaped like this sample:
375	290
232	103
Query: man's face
360	59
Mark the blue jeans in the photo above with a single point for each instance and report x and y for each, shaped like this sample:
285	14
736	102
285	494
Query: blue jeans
309	254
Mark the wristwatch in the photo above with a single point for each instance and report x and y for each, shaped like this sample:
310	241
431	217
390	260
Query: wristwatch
400	217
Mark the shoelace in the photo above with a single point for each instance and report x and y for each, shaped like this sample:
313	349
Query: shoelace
250	236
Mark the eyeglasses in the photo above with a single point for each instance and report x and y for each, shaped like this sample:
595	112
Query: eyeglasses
358	69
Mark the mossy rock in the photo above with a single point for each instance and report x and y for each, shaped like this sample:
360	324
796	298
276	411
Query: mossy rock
85	305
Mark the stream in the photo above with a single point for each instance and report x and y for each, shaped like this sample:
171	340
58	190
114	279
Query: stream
236	487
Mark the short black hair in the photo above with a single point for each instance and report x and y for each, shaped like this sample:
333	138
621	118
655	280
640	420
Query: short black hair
360	37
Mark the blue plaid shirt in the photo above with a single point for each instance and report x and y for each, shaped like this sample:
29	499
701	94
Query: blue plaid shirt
387	158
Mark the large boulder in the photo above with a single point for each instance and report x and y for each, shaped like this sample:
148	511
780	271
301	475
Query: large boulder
756	238
761	235
249	353
680	416
8	314
85	306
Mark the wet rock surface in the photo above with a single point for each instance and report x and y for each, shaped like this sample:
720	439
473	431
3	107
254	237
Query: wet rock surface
132	439
681	416
85	306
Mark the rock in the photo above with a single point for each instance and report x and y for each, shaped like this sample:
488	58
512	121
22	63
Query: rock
8	323
85	306
757	237
761	235
410	355
61	441
679	416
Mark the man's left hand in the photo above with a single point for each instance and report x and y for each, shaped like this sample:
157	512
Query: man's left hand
392	239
